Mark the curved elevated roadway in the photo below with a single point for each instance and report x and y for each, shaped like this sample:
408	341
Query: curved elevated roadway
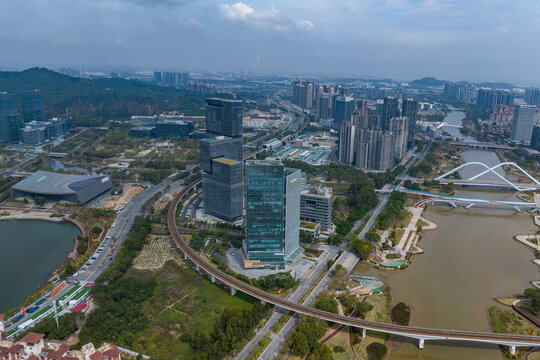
421	334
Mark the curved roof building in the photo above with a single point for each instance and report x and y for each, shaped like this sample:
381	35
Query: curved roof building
78	189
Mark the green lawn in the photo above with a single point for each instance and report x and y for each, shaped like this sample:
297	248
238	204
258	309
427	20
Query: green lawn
183	302
508	322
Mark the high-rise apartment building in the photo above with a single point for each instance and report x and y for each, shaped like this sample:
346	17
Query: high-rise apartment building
303	93
390	110
221	159
522	123
532	96
489	99
273	214
10	119
347	138
171	78
409	109
308	96
460	92
363	143
32	108
324	106
316	206
399	128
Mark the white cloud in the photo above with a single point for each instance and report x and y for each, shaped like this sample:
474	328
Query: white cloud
236	12
305	25
245	14
503	29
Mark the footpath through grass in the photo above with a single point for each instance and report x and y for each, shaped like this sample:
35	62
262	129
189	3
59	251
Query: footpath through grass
183	302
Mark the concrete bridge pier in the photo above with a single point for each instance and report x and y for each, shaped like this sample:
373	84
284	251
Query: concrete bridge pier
469	206
364	333
213	278
185	256
453	204
512	349
233	291
421	343
197	268
263	302
517	209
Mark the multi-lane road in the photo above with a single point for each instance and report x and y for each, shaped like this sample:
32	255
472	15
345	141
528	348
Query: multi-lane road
122	224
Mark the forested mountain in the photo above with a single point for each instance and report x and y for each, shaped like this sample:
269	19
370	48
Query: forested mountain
100	98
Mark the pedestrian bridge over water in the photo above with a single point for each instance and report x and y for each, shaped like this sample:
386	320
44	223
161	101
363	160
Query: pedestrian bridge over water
475	180
453	200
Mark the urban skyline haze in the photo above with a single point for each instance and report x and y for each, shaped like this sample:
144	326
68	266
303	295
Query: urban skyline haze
401	39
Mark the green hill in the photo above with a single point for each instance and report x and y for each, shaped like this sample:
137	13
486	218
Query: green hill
428	81
101	98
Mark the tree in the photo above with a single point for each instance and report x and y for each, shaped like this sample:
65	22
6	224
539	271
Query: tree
326	304
363	248
376	351
299	344
372	235
306	237
362	308
335	239
320	352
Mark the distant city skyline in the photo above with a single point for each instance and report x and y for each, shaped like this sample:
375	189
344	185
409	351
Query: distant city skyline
454	40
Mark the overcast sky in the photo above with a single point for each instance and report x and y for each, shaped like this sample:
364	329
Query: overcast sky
491	40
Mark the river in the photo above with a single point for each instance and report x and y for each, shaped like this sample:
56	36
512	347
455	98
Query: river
30	250
455	118
468	261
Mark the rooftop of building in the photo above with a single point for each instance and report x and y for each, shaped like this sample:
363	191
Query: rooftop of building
216	101
51	183
319	191
226	161
172	121
264	162
216	138
142	127
32	338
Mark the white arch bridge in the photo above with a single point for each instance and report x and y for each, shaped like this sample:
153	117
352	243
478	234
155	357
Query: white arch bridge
474	180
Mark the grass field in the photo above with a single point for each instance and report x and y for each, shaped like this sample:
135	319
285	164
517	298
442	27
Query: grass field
183	302
507	322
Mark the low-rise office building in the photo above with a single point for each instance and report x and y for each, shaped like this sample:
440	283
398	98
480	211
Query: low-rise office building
316	206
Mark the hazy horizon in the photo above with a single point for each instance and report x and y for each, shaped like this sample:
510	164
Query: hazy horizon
454	40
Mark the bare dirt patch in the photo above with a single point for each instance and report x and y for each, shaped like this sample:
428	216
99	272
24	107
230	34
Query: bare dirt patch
116	202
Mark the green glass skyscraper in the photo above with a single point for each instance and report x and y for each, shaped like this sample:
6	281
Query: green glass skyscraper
273	213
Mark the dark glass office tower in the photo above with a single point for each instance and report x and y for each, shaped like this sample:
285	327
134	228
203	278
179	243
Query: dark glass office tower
224	117
32	105
273	212
221	159
10	119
